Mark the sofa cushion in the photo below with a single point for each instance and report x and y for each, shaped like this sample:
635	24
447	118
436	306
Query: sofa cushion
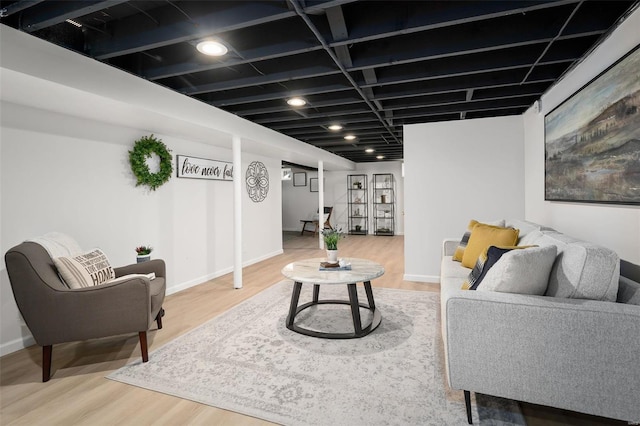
85	270
521	271
628	291
525	227
487	259
457	256
484	236
582	270
450	269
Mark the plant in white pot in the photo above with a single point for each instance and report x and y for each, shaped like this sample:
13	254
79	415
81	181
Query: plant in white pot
144	253
331	238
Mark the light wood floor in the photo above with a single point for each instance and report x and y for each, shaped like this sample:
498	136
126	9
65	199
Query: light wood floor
78	393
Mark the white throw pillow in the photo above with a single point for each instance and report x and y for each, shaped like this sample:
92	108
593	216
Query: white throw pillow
85	270
523	271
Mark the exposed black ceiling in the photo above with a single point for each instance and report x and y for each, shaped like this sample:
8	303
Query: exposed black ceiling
371	66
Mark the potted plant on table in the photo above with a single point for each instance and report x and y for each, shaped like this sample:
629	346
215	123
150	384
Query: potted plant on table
144	253
331	238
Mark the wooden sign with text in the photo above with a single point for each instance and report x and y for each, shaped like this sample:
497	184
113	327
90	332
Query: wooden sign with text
201	168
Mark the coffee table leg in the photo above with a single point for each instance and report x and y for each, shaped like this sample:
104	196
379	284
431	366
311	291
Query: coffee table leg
316	292
295	296
367	289
355	308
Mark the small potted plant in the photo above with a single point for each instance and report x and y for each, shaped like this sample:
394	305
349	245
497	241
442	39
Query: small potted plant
331	238
144	253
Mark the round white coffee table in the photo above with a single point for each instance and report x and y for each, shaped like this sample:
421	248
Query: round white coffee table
308	272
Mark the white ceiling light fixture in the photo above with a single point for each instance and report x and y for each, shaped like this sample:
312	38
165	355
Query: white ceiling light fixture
380	157
296	101
335	127
72	22
369	150
212	48
350	137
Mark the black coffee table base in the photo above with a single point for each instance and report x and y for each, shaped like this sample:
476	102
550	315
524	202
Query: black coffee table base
359	331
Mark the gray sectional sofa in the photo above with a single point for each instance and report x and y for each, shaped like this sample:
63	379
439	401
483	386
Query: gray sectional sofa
577	347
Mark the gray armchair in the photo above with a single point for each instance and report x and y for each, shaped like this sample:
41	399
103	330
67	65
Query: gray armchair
56	314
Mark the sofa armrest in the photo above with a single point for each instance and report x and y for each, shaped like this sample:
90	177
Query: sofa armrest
581	355
156	266
449	246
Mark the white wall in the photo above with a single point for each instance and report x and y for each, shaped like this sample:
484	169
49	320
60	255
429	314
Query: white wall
456	171
67	124
56	177
299	203
616	227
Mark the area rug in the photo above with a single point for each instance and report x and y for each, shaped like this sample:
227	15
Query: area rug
247	361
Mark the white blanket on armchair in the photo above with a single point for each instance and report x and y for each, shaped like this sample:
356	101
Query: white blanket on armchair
58	244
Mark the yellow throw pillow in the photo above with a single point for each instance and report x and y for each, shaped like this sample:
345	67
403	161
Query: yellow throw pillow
457	255
484	236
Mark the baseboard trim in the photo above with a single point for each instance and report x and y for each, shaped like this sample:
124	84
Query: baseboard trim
16	345
200	280
422	278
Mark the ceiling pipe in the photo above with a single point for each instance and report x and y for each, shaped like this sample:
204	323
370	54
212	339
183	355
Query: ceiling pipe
333	56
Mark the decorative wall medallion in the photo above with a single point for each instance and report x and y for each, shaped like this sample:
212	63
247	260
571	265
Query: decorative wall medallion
257	179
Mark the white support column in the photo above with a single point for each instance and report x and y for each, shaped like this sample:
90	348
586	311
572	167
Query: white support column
320	202
237	212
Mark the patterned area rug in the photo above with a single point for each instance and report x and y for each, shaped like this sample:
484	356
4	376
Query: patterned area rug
247	361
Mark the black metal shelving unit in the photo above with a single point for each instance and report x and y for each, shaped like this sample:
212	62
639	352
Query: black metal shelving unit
358	204
383	204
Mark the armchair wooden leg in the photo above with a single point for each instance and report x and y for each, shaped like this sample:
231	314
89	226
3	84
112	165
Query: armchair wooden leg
143	346
159	318
46	362
467	403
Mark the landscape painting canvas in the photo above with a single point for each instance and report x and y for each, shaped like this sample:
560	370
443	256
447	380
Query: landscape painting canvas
592	140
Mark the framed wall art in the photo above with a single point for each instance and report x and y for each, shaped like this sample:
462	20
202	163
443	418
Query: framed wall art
313	184
592	139
300	179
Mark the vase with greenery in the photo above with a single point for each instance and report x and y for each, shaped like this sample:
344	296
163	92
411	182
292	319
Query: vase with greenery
144	253
331	238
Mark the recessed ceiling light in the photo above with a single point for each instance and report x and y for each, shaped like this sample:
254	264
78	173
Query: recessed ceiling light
296	101
335	127
212	48
369	150
350	137
380	157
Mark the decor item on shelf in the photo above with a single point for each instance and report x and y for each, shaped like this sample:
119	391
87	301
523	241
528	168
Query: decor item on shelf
143	148
331	238
257	179
144	253
357	185
358	228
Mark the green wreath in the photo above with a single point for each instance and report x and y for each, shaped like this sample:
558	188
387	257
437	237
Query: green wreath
142	149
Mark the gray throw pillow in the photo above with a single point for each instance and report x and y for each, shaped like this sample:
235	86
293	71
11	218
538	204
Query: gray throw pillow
524	271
